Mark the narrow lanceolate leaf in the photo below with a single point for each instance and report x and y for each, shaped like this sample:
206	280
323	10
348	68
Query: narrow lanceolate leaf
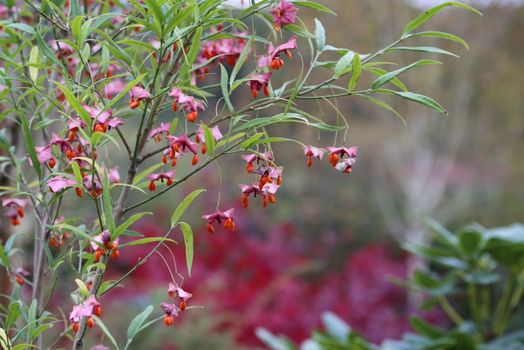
240	62
422	99
108	207
187	232
320	34
357	71
5	342
380	72
46	50
210	140
441	35
120	229
33	60
23	27
124	92
82	287
384	105
148	240
4	261
39	330
30	147
428	14
343	65
427	49
193	52
75	8
173	126
314	5
146	172
73	102
106	331
393	74
31	316
76	172
223	85
137	322
12	314
182	207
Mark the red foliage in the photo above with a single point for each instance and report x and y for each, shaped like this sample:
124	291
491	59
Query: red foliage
274	282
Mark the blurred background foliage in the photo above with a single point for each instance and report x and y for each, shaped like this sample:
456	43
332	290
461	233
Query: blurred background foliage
331	242
465	167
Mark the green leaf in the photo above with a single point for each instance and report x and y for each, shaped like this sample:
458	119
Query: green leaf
82	287
240	62
4	141
187	232
320	34
343	65
5	342
271	341
356	72
73	101
76	27
106	331
286	118
85	30
30	147
76	172
393	74
443	235
223	85
46	50
470	239
209	139
77	230
441	35
301	32
149	323
422	99
31	316
147	240
182	207
229	139
120	229
23	347
146	172
33	59
39	330
426	329
314	6
106	202
4	260
114	48
173	126
380	72
12	314
124	92
193	52
427	49
136	324
428	14
383	105
438	255
189	9
335	326
104	62
251	140
424	279
99	20
23	27
75	9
